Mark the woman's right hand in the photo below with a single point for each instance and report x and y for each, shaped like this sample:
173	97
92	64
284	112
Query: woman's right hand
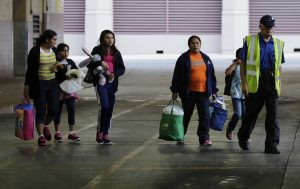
174	96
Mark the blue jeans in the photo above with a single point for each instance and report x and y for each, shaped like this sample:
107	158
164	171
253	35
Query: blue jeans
238	112
107	101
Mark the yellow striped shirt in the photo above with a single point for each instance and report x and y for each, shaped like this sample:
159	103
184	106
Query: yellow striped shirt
47	60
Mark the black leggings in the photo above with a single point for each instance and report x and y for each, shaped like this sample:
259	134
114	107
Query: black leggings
47	103
70	104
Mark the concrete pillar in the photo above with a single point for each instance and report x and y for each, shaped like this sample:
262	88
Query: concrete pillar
6	39
54	18
235	24
98	17
22	35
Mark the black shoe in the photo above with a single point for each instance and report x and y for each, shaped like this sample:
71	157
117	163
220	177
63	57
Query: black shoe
206	142
180	142
229	134
272	151
244	145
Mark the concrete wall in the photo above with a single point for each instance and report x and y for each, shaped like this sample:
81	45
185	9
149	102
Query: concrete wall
23	11
54	18
174	44
22	25
98	17
235	24
291	42
146	44
50	17
170	44
6	39
75	42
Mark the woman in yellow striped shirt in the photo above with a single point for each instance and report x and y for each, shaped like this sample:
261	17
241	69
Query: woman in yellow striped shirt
41	84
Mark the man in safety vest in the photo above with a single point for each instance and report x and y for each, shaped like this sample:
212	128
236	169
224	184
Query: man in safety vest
261	59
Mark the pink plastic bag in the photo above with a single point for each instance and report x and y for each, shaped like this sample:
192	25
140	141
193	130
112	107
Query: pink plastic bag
24	127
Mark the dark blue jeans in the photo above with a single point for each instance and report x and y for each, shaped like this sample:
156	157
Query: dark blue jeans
238	112
107	102
47	103
201	100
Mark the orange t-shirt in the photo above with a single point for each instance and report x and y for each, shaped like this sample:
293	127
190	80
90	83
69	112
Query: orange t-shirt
197	73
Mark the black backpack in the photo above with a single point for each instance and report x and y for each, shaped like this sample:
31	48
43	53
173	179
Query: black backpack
89	77
228	80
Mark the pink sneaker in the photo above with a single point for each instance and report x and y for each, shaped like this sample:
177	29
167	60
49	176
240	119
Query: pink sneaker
47	133
106	140
58	137
99	137
74	137
42	141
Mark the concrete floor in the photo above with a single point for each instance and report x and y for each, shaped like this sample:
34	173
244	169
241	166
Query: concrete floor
137	159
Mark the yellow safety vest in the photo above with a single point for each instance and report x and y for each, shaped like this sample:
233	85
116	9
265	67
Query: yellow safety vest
253	62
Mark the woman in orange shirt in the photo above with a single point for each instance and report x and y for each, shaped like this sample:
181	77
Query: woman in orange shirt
194	81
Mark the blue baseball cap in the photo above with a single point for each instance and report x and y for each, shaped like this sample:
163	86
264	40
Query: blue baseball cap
268	21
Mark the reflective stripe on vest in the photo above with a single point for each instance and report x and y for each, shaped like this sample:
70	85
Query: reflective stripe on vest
278	59
253	62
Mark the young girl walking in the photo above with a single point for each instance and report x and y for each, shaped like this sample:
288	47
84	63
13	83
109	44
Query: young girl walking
113	62
66	98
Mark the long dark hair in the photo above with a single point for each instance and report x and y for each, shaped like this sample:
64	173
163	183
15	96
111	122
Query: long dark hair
47	35
102	44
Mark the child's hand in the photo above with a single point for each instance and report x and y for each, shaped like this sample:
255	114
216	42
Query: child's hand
111	76
231	68
104	65
68	77
73	76
56	67
59	66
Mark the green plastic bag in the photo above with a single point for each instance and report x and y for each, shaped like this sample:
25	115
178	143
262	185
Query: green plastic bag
171	123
